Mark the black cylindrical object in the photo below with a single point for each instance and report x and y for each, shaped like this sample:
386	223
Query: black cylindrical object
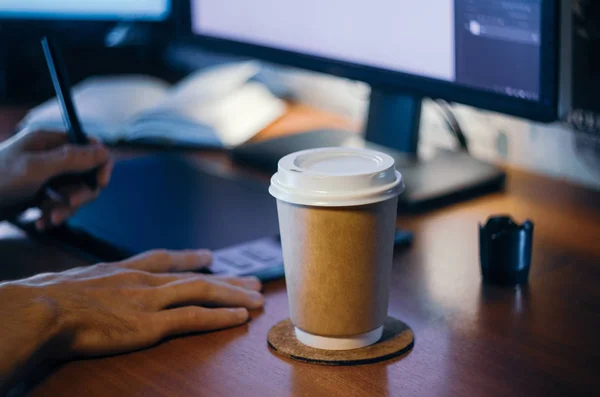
505	251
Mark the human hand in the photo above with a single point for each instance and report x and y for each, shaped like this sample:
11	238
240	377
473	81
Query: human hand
118	307
30	159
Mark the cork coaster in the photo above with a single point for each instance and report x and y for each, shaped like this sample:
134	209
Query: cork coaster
397	339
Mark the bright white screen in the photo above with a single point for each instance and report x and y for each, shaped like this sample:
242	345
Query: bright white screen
85	9
411	36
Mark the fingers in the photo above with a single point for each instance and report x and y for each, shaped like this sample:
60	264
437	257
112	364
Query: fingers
73	196
163	261
70	198
68	159
134	332
206	292
186	320
54	218
247	282
250	282
39	140
104	174
60	214
47	207
55	213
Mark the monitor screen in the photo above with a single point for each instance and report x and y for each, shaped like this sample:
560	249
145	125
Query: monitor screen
488	45
85	9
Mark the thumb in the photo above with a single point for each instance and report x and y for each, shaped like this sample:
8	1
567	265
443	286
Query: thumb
68	159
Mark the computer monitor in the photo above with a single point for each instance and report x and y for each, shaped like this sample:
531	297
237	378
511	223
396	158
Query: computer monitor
77	25
150	10
510	56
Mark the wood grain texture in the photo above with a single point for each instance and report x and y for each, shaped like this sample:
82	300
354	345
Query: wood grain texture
470	340
300	118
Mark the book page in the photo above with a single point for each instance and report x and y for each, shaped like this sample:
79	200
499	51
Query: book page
232	120
105	105
215	106
209	85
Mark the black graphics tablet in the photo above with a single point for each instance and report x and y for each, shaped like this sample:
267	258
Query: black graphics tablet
167	201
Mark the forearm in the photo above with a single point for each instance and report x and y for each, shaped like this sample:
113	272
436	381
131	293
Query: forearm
28	328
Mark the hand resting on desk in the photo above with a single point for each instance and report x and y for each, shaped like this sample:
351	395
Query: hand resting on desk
30	159
116	307
107	308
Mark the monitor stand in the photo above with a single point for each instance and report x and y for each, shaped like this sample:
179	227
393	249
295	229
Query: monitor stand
393	127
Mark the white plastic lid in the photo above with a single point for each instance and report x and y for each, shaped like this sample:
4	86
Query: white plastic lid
336	177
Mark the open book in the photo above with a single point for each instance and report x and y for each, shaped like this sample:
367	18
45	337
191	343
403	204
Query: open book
219	107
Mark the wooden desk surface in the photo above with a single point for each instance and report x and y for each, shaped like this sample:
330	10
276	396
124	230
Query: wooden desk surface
470	340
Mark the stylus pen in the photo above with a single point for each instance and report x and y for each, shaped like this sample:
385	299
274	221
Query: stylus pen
60	80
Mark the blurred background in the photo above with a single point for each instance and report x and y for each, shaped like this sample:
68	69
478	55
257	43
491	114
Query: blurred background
569	149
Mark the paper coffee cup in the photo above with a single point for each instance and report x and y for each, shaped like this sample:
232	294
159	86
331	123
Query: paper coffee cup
337	216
